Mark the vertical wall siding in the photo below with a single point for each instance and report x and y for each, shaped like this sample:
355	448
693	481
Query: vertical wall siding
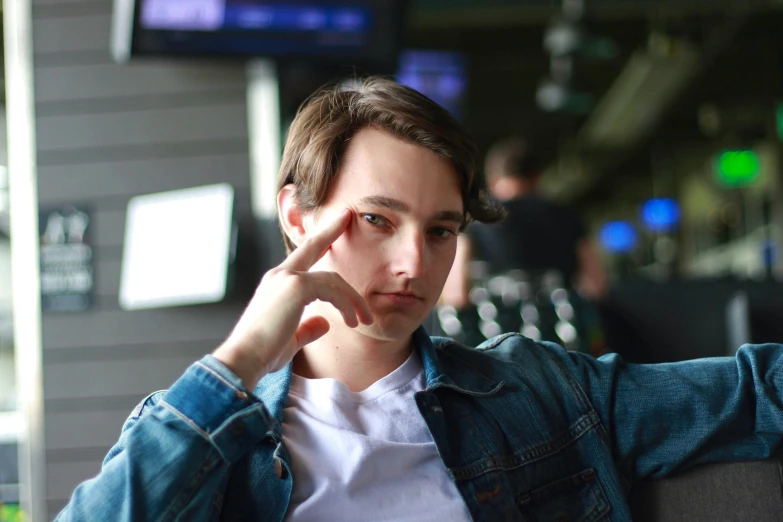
107	133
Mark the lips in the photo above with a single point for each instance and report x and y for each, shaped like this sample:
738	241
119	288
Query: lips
402	298
404	294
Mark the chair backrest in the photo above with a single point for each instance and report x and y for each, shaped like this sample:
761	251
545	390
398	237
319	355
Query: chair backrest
726	492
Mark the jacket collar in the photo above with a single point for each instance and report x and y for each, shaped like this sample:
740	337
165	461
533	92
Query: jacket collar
443	368
448	364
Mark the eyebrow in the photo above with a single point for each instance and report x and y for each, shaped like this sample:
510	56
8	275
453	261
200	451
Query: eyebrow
399	206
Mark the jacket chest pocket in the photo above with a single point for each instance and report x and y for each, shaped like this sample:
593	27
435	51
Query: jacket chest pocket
578	498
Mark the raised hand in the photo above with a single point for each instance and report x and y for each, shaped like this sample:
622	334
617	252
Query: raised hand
271	330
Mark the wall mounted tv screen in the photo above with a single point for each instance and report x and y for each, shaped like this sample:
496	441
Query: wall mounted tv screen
362	33
440	75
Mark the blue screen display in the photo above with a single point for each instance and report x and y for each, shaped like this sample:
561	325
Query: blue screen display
347	32
217	15
439	75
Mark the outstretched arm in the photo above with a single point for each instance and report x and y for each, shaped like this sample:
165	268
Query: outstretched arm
666	417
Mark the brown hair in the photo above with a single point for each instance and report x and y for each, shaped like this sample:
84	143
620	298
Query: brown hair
319	134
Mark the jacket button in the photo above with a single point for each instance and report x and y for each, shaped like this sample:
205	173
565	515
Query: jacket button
238	428
278	468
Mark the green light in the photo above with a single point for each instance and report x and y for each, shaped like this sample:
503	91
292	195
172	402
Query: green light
779	120
11	513
737	168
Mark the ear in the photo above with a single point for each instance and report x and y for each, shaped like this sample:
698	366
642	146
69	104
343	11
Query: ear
292	217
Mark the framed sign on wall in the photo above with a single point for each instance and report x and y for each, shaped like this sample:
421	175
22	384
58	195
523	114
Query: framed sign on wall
67	271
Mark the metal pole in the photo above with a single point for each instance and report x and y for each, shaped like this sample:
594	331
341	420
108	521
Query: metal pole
23	191
263	120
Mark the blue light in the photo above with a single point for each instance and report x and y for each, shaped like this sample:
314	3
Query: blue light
618	237
660	215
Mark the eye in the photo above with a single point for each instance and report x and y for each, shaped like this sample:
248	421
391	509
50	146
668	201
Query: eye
442	232
374	219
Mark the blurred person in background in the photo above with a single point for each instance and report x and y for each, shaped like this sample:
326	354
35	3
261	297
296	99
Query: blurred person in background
537	234
545	241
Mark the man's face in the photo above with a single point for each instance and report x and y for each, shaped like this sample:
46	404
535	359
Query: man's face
400	245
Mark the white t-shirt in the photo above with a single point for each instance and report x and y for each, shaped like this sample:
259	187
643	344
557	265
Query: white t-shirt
361	456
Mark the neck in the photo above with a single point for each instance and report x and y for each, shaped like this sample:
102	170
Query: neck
351	357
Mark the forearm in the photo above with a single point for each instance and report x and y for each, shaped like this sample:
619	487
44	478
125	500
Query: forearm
173	456
667	417
152	477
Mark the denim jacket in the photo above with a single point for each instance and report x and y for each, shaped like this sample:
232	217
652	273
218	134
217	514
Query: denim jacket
527	431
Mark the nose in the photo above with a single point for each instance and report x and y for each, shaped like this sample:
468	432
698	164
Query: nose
407	255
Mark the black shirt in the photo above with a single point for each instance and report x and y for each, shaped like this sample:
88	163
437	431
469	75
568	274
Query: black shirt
537	235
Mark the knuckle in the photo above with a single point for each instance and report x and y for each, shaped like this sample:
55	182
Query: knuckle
297	283
285	273
271	273
336	279
294	280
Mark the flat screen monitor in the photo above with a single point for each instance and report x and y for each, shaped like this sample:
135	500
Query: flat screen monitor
365	33
440	75
178	247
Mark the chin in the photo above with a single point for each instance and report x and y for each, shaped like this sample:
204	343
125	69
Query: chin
389	330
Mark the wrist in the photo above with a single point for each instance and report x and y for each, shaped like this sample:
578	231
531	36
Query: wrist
244	363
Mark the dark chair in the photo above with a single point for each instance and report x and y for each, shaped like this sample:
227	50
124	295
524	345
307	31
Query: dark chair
726	492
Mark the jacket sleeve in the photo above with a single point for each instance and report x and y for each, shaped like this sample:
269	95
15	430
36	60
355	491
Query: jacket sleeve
174	451
666	417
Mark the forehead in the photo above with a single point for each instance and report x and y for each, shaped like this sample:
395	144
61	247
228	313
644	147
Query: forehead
376	163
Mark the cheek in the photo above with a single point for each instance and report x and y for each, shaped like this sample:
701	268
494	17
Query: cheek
443	259
362	242
352	254
354	243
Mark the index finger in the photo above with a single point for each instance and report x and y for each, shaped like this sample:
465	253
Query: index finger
313	249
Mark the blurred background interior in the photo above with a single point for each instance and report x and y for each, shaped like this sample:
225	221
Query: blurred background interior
158	129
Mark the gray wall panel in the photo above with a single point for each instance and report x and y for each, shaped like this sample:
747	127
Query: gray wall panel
37	3
227	121
67	430
60	183
105	328
149	151
107	279
72	9
129	352
63	477
107	252
128	377
53	507
71	34
105	134
55	83
108	227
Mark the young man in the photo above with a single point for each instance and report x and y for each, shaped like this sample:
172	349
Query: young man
328	402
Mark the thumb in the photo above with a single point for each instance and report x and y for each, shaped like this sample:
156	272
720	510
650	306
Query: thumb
310	330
